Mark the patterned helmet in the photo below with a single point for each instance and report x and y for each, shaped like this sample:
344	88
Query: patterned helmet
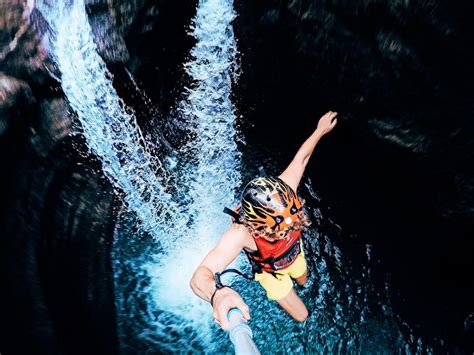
268	202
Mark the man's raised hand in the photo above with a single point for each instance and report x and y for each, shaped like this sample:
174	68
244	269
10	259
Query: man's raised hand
327	122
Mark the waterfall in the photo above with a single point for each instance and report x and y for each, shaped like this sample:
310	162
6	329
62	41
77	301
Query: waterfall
109	126
210	169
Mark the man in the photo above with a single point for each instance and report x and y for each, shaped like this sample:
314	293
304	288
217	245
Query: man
266	226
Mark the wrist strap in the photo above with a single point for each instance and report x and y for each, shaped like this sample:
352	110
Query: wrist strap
217	289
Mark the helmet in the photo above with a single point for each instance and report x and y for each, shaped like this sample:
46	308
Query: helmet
269	204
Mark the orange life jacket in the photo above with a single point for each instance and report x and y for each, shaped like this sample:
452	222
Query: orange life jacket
278	255
271	256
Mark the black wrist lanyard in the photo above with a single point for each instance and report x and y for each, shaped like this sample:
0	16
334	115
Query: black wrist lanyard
220	285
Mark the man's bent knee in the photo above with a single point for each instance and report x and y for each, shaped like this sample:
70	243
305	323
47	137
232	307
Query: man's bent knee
300	314
301	280
294	306
301	317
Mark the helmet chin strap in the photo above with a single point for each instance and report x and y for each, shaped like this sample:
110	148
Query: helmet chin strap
233	214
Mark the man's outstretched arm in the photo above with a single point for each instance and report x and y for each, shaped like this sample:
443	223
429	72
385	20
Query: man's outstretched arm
293	173
203	285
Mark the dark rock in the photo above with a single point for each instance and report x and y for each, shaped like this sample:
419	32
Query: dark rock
11	20
159	45
58	221
110	42
54	125
14	94
22	54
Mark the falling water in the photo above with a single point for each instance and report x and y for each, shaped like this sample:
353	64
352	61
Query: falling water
108	125
210	170
209	165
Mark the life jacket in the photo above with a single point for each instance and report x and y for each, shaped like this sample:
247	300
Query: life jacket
271	256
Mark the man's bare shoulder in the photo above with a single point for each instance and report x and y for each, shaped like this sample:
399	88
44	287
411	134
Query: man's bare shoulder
237	233
232	242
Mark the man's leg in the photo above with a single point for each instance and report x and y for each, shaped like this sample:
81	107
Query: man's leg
279	288
298	270
294	306
302	279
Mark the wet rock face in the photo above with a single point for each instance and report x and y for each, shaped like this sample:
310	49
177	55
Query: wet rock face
159	44
13	94
56	216
397	169
10	21
150	41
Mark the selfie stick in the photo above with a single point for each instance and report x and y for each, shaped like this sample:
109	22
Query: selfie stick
240	334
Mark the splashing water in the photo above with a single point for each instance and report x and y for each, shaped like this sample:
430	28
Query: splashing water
208	175
209	172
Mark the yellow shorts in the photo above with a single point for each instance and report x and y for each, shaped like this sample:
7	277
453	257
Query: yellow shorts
280	285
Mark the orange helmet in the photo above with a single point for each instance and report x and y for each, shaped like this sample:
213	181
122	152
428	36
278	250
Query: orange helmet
268	202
